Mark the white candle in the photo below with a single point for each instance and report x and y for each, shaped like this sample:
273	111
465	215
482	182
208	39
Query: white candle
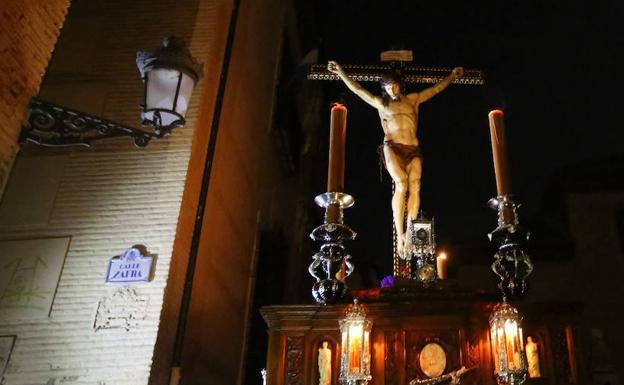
499	152
441	264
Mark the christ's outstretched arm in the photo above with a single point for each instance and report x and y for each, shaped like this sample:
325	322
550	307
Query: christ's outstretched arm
430	92
354	86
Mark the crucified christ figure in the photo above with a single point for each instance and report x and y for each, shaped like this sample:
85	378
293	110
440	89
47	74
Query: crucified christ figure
401	154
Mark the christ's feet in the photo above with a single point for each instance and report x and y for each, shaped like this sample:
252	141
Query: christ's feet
402	246
400	242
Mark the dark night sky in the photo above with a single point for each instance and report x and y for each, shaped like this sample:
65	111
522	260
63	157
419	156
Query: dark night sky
550	65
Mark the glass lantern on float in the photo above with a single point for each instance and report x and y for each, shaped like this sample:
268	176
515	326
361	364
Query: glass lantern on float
355	349
170	73
510	366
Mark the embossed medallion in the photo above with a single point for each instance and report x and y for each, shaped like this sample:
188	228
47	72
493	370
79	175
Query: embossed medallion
432	360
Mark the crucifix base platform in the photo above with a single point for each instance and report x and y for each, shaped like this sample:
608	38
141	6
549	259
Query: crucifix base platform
407	323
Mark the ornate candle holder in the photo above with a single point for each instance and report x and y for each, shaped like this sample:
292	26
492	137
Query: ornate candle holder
331	265
511	263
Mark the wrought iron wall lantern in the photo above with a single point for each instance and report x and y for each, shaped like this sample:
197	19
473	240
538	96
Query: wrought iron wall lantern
169	74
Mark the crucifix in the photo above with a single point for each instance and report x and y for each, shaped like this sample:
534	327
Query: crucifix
398	113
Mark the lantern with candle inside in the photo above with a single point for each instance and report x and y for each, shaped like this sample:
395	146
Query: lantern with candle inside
355	351
510	366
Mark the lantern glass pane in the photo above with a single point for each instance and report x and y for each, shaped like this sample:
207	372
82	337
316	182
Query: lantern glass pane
161	92
495	349
186	89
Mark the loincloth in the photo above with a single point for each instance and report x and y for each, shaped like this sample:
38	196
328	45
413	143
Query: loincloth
405	152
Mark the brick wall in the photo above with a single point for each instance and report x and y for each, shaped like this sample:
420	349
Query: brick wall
28	32
109	197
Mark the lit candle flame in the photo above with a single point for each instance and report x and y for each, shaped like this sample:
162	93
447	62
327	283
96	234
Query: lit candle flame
355	350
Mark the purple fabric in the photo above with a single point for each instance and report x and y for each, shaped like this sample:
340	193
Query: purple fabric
388	281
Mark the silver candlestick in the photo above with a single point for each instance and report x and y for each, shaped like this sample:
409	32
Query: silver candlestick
331	265
511	263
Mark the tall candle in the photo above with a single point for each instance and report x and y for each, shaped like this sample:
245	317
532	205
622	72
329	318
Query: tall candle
336	165
337	136
511	344
499	152
441	265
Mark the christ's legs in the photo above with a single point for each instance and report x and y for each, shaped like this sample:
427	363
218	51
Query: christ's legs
414	172
400	178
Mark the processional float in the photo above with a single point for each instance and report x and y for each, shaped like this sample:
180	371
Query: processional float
436	360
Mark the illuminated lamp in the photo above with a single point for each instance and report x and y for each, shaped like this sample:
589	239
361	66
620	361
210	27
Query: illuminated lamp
510	366
355	350
169	75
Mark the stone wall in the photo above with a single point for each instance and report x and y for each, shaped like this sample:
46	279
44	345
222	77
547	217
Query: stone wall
102	200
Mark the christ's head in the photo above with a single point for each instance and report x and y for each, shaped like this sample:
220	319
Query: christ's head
391	86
